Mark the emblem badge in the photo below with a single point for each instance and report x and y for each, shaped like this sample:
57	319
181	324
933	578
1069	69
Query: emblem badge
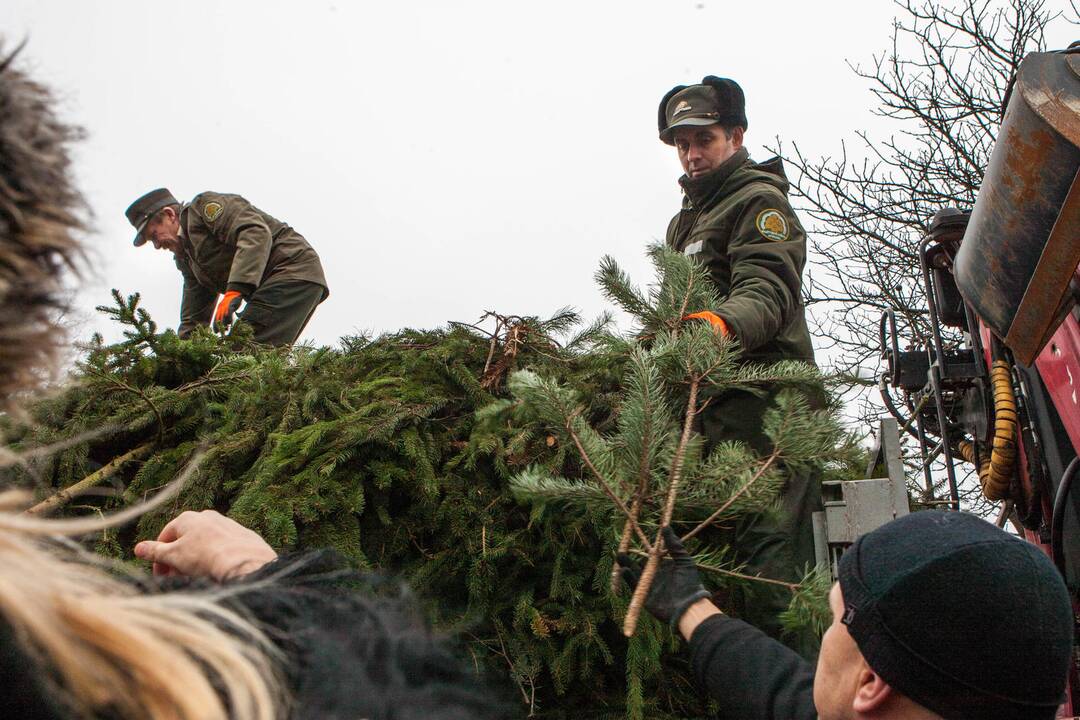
681	107
211	211
772	225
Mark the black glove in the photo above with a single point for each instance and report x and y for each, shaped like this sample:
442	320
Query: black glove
676	585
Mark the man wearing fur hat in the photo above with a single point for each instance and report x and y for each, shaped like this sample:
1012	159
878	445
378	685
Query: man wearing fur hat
736	220
224	245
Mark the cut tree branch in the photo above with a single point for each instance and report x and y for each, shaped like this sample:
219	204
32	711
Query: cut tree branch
653	563
66	495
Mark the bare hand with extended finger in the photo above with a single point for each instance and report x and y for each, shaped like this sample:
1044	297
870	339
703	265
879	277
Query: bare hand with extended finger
205	544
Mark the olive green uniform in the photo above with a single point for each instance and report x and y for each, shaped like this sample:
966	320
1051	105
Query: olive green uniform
229	244
737	221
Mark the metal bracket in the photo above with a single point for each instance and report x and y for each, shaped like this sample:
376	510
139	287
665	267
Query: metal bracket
855	507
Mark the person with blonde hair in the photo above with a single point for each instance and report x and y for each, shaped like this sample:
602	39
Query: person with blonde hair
80	637
245	635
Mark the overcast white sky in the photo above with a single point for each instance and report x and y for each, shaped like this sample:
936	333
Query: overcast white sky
443	158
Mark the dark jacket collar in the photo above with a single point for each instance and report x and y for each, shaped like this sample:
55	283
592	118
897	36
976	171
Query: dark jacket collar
700	189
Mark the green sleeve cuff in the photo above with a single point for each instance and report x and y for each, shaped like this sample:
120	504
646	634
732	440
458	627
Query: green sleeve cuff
243	288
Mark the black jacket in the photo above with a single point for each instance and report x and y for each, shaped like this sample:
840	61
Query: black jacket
357	646
354	646
750	675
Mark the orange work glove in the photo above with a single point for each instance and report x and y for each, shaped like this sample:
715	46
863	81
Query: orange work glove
715	320
223	314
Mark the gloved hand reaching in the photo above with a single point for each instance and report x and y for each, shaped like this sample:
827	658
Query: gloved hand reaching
676	586
713	319
226	307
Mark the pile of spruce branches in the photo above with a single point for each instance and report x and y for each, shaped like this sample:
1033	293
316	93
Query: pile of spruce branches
400	452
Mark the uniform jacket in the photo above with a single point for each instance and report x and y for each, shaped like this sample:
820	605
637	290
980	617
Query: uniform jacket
229	244
737	221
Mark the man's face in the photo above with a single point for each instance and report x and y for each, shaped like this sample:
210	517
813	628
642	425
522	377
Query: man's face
703	148
163	230
838	667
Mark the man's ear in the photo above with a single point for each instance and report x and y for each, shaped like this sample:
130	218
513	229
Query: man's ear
871	692
737	137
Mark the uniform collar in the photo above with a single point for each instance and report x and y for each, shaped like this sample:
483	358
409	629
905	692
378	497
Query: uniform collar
183	230
183	225
700	189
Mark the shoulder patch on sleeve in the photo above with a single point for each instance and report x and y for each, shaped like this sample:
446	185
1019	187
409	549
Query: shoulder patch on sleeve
772	225
211	211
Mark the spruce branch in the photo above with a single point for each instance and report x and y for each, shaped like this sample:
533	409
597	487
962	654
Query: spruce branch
61	498
685	301
210	380
746	486
137	391
707	563
637	601
537	486
604	485
645	387
680	453
23	457
793	587
624	542
619	288
809	610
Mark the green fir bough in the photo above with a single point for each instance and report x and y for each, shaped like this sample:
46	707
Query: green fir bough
400	452
653	469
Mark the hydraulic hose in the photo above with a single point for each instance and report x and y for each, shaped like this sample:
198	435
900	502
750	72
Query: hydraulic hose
995	476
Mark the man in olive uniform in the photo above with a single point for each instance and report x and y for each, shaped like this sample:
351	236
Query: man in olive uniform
737	221
224	245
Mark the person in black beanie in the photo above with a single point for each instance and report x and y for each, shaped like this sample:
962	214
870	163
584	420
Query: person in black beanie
935	615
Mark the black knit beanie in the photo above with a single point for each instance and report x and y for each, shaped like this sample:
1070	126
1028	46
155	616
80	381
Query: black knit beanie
959	616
